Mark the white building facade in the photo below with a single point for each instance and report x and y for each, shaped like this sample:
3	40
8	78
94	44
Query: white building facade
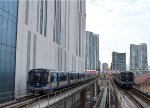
51	35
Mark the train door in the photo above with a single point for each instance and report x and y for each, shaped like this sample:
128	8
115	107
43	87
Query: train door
54	80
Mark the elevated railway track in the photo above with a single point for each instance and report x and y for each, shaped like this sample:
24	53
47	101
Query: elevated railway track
48	99
133	94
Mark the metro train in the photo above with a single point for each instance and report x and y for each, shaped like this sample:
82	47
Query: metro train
124	79
45	81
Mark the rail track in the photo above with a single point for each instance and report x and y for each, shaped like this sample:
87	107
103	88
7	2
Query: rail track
135	96
134	100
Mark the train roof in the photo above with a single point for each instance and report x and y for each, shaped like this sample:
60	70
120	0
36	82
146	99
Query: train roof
39	69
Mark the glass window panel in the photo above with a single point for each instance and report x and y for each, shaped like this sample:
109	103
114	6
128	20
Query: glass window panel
7	89
15	7
1	4
9	33
4	30
9	49
3	48
11	7
2	70
0	29
8	64
13	41
13	50
2	62
10	17
5	14
2	88
14	19
13	63
1	12
6	5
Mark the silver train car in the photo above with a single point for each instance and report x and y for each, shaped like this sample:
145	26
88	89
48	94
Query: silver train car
45	81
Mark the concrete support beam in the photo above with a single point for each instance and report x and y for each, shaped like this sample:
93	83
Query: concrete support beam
95	89
91	94
83	98
72	101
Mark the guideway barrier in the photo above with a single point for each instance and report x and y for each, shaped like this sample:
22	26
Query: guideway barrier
121	100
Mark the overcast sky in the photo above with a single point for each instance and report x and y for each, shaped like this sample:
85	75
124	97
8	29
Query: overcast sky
119	23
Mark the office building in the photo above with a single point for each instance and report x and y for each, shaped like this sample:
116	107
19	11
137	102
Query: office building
92	51
138	58
104	67
118	61
39	34
8	38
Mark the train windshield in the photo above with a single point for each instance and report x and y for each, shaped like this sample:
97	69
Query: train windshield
127	76
38	76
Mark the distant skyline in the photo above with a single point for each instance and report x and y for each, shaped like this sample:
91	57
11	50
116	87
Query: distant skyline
119	23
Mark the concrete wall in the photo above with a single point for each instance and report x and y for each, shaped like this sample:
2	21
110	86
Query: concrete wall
72	101
61	47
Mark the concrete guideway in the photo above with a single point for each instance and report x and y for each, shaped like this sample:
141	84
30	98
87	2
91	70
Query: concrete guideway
130	98
121	100
51	102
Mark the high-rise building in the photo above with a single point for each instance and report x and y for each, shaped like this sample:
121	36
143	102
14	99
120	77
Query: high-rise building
118	61
39	34
104	67
138	58
92	51
8	38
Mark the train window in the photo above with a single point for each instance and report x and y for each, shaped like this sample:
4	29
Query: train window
38	76
62	77
130	77
79	76
52	78
122	76
126	75
83	75
71	76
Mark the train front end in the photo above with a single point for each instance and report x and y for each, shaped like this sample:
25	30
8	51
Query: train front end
126	79
38	81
